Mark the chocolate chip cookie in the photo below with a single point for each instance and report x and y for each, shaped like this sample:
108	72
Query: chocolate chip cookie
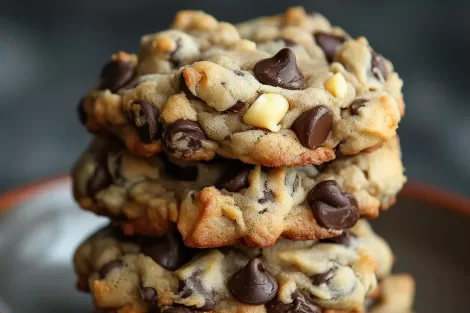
306	92
225	202
135	274
395	295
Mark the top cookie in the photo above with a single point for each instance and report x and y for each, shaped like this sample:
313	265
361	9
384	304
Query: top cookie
198	90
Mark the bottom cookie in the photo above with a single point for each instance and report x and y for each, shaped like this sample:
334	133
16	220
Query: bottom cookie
395	294
136	274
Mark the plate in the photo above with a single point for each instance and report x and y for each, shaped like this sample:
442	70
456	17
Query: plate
428	229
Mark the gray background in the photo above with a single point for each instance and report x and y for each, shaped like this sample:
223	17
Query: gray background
52	51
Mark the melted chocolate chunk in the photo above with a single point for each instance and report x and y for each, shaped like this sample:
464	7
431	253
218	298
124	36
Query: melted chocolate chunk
237	107
184	136
329	43
331	207
356	105
100	179
268	196
193	285
378	64
345	239
115	74
186	90
145	120
313	126
168	250
298	305
253	284
319	279
235	177
280	71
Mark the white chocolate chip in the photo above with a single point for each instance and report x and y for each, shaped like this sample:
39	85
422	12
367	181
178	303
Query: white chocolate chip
337	86
267	111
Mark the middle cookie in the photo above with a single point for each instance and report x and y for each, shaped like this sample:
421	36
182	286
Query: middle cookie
227	202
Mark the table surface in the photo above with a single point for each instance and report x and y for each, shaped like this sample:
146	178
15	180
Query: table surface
52	51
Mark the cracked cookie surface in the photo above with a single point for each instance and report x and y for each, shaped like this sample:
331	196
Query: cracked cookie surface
227	202
199	90
134	274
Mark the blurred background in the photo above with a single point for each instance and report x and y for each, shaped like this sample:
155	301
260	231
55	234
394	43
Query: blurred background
52	51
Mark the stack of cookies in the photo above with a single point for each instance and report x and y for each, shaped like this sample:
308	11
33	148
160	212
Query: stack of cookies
237	165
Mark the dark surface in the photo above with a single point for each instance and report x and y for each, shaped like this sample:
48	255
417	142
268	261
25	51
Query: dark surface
52	51
427	242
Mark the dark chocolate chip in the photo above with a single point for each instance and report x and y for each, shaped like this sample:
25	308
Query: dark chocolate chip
148	294
145	120
356	105
176	309
296	184
100	179
268	196
331	207
321	167
378	64
329	43
239	73
344	239
109	267
176	172
184	136
319	279
280	71
237	106
115	74
168	250
115	169
313	126
82	116
298	305
186	90
253	284
193	285
235	177
172	57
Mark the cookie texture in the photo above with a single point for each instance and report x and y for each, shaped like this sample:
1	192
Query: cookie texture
289	90
135	274
396	295
227	202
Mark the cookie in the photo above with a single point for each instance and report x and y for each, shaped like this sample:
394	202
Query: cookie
135	274
227	202
198	90
396	294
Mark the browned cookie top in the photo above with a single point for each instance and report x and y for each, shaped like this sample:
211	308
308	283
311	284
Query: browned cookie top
303	92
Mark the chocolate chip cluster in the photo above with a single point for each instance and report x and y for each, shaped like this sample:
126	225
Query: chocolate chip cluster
235	164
